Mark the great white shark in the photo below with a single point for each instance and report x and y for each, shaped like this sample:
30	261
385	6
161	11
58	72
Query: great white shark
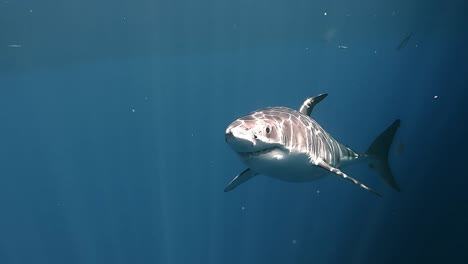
291	146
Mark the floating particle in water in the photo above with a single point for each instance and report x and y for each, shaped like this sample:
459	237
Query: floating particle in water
342	47
133	110
318	191
14	46
306	48
375	52
146	98
243	208
325	13
30	10
435	97
294	241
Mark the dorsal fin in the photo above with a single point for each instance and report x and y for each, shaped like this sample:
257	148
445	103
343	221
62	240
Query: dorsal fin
308	105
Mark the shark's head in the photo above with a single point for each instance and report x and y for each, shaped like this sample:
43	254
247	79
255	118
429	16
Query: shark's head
254	135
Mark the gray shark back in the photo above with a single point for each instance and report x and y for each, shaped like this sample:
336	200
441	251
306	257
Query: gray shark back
299	133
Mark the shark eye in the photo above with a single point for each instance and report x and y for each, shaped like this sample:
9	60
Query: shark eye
268	130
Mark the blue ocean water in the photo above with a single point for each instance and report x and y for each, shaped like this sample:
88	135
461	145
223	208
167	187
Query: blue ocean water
113	116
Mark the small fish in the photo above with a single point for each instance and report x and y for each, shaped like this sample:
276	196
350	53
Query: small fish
342	47
405	41
14	46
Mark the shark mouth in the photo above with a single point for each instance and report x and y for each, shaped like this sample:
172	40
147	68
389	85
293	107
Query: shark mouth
256	153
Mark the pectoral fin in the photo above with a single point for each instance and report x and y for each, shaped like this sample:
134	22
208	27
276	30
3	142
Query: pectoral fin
239	179
338	172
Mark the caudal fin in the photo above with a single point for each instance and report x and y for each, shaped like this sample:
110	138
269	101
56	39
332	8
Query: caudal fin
378	151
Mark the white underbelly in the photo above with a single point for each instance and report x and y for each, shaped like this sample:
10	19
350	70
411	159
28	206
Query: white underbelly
285	166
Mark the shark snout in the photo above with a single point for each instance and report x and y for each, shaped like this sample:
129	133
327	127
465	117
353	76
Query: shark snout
239	139
229	137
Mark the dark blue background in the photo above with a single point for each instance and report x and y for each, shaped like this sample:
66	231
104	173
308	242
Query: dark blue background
113	114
